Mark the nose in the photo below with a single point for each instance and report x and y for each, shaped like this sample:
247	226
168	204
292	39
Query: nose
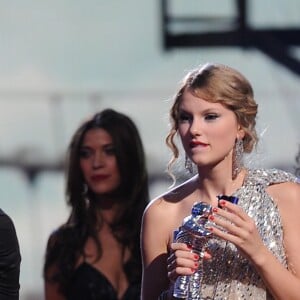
195	127
98	160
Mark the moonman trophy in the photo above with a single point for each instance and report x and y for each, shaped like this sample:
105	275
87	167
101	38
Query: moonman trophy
194	233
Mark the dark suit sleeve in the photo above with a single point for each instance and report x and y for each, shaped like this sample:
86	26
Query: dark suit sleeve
10	259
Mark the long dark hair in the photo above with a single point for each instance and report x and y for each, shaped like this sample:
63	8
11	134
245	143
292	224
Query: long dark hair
67	243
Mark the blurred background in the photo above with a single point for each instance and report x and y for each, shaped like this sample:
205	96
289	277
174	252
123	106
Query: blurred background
63	60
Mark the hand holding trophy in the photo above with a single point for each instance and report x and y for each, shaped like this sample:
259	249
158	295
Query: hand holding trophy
194	233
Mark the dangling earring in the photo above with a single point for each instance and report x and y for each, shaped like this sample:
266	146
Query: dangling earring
237	157
188	164
85	190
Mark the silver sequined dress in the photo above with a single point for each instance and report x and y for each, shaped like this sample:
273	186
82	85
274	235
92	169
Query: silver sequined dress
229	276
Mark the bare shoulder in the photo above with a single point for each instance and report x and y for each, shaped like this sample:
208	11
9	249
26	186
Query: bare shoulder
288	192
160	208
175	203
287	197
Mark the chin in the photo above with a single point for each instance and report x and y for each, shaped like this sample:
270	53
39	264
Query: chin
103	190
106	192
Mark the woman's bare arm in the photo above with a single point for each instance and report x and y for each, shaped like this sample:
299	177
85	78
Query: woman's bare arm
154	245
52	288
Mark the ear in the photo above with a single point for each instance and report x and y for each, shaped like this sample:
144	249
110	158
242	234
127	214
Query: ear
240	132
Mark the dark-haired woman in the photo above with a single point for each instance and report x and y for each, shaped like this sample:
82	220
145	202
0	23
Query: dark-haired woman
96	253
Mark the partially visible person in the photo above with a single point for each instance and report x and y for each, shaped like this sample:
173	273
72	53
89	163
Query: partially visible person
253	250
10	259
96	253
298	164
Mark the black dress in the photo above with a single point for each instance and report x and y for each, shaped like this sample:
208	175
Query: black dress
10	259
90	284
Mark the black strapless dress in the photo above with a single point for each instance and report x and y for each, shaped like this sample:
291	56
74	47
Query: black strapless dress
90	284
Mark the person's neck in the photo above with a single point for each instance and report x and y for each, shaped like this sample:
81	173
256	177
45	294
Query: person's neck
211	184
107	207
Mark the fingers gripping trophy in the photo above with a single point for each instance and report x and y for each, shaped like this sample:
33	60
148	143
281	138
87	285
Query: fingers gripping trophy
194	233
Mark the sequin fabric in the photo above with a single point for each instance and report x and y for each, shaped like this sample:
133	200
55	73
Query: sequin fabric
230	276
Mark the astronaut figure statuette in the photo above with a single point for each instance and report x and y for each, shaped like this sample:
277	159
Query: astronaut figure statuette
194	233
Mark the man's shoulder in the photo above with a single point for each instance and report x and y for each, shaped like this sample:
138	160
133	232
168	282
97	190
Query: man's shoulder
5	221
